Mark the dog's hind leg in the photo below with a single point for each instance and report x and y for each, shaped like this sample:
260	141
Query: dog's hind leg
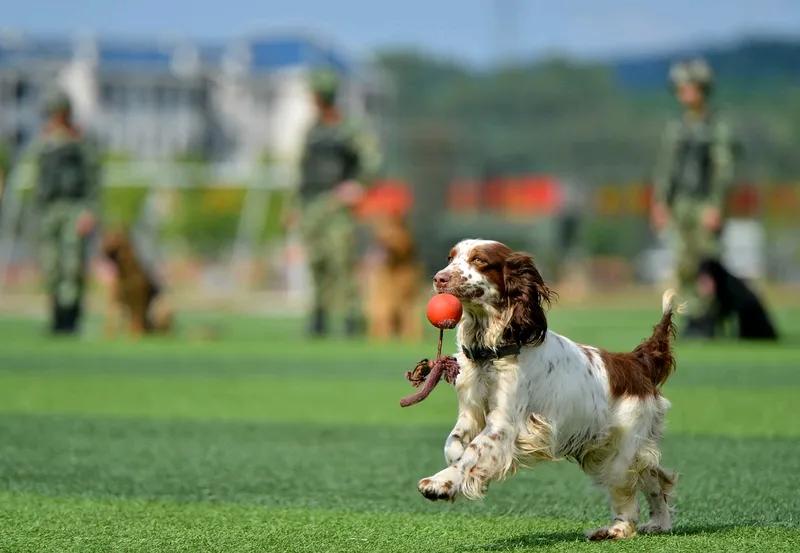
625	509
630	452
657	484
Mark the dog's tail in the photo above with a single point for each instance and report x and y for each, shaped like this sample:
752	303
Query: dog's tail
656	351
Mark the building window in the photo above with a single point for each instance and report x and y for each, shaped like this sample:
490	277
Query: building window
22	90
160	97
123	95
199	98
106	94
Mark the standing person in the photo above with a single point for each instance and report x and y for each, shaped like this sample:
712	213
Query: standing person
66	193
337	159
694	171
5	168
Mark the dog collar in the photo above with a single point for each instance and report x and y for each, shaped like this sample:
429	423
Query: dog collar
485	354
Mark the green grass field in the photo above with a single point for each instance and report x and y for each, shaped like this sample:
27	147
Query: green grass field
261	441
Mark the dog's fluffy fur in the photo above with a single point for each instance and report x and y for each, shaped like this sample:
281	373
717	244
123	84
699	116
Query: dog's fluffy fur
134	292
556	399
733	301
394	282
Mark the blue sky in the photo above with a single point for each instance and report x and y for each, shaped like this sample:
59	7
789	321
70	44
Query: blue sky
473	30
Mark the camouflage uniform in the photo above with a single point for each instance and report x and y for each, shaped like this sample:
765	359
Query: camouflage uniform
5	166
694	171
65	171
333	153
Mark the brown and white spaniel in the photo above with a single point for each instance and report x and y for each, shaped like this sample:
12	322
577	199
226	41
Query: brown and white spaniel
527	394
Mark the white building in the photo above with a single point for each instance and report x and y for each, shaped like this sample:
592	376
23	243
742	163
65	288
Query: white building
28	70
262	93
240	103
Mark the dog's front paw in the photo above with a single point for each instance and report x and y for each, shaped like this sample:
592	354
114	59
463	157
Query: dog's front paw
617	531
442	485
453	449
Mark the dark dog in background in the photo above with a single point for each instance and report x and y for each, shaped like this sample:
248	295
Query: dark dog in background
134	291
732	299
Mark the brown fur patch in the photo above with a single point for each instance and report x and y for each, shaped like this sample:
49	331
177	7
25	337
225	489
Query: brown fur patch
134	288
489	259
392	282
527	296
626	376
642	371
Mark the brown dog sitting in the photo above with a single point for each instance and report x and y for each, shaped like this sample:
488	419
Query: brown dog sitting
133	290
394	282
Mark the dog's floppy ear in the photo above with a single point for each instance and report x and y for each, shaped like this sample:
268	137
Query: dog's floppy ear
526	296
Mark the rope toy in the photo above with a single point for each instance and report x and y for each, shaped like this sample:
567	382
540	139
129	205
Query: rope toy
444	311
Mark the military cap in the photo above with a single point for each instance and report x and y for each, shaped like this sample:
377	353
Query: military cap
57	102
325	83
696	71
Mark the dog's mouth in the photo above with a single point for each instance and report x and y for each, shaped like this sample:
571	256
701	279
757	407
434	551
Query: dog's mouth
461	292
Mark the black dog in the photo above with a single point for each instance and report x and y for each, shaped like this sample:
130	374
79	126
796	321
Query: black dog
733	299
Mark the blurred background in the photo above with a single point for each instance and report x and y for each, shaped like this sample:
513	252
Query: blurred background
242	174
527	122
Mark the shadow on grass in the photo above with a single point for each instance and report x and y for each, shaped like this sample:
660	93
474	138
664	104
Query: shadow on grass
693	529
545	539
537	539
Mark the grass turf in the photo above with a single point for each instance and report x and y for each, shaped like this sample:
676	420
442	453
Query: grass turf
261	441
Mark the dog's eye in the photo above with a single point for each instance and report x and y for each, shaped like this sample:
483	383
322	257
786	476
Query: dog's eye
479	261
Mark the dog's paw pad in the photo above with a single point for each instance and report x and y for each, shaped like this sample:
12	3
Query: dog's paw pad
434	489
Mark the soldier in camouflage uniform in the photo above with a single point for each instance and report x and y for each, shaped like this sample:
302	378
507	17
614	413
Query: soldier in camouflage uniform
65	172
337	158
5	168
694	171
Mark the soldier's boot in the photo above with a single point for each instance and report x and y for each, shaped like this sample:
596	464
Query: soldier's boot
70	317
318	325
56	318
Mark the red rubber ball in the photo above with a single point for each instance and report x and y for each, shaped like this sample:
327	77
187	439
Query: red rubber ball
444	311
